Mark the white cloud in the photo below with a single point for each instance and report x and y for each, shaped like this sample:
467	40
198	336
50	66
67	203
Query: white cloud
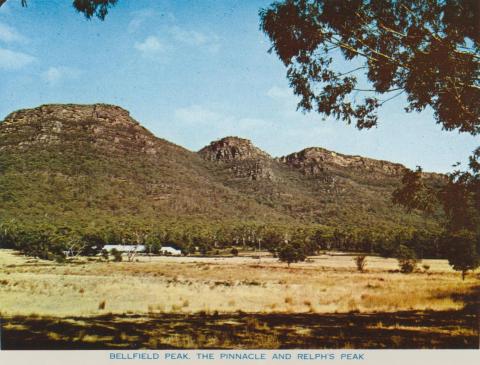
55	75
190	37
150	46
12	60
9	34
172	38
195	38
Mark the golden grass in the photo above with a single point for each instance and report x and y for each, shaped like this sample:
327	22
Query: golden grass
327	284
451	331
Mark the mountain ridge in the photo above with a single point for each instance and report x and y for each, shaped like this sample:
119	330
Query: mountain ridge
136	175
100	109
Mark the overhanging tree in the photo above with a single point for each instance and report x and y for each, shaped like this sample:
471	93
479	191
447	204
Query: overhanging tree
463	251
89	8
427	50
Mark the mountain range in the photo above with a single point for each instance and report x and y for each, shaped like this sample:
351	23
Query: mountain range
94	165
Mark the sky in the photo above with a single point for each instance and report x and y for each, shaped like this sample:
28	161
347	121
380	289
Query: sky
193	72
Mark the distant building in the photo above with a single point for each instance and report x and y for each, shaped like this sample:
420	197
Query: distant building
125	248
167	250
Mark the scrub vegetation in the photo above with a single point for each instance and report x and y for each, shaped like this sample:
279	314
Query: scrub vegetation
151	302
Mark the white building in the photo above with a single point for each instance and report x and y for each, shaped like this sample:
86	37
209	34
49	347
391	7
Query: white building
125	248
167	250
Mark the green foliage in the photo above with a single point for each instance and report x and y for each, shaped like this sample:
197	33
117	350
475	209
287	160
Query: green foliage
414	193
79	196
461	197
458	195
89	8
427	50
272	241
204	248
92	243
463	251
386	248
117	255
104	254
407	259
42	242
289	253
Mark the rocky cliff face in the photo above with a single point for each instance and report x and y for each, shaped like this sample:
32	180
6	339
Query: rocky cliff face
232	148
241	157
317	161
104	126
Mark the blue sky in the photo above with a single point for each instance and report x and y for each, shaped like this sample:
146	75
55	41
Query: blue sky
193	72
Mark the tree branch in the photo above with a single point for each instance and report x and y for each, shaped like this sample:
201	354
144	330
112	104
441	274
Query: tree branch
393	97
373	90
349	72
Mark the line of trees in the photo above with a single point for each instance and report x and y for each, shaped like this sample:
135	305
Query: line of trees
289	243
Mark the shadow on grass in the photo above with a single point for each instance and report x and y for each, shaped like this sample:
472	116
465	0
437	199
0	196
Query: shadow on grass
398	330
411	329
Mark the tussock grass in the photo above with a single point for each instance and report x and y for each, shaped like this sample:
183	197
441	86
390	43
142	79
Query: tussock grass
328	284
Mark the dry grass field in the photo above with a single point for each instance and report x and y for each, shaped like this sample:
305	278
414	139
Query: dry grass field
271	304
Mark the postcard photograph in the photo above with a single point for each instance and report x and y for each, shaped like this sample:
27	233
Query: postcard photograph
239	175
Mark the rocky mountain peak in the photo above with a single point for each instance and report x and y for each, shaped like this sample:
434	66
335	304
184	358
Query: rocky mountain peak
317	160
232	149
71	112
241	157
101	125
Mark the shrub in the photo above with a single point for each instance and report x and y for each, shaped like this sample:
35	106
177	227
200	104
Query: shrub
407	259
92	244
59	258
463	251
205	248
234	251
104	254
288	253
360	261
117	255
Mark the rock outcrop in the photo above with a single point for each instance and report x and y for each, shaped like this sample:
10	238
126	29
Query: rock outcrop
107	126
318	161
241	157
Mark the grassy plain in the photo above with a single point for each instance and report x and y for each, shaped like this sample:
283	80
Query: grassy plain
240	302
